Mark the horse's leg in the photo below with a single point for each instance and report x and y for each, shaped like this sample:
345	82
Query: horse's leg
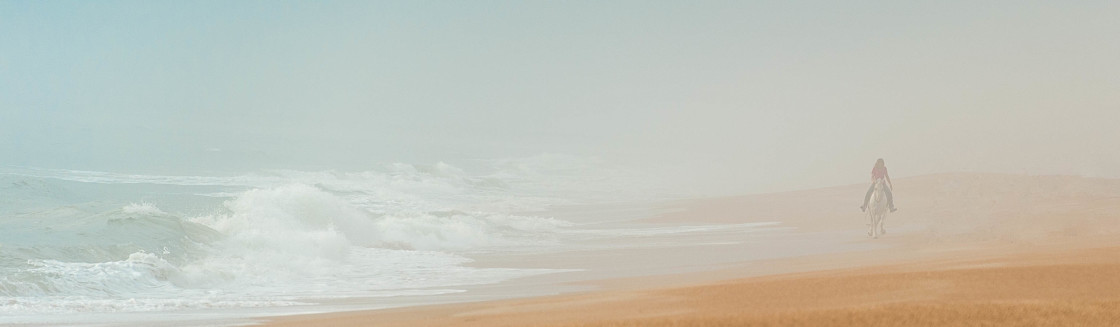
874	232
871	226
874	226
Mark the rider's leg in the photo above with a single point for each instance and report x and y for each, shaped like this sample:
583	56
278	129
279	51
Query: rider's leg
867	197
890	198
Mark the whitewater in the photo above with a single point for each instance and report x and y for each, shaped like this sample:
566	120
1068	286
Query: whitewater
87	246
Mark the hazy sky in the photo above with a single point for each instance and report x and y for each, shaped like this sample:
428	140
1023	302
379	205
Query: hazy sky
745	95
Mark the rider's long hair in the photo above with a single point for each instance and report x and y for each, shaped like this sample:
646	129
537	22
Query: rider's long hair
880	163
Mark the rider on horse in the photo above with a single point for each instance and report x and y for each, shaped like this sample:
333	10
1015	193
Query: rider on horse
877	173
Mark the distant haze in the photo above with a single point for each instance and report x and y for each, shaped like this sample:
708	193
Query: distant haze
735	96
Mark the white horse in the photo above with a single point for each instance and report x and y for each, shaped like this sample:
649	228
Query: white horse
877	209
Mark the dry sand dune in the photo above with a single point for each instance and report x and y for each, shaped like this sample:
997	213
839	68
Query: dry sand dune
978	250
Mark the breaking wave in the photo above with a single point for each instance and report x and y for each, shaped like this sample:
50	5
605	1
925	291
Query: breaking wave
79	241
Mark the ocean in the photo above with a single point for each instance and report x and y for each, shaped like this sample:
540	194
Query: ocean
80	247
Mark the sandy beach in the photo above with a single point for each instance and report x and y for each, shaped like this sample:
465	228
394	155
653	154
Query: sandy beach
964	250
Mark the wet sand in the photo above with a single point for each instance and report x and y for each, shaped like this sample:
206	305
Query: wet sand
972	250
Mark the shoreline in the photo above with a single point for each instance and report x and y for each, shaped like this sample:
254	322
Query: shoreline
1020	226
1069	286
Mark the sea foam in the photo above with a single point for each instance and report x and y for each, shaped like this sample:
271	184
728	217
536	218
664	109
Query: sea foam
88	242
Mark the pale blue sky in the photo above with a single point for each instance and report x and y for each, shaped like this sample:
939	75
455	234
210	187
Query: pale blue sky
765	94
